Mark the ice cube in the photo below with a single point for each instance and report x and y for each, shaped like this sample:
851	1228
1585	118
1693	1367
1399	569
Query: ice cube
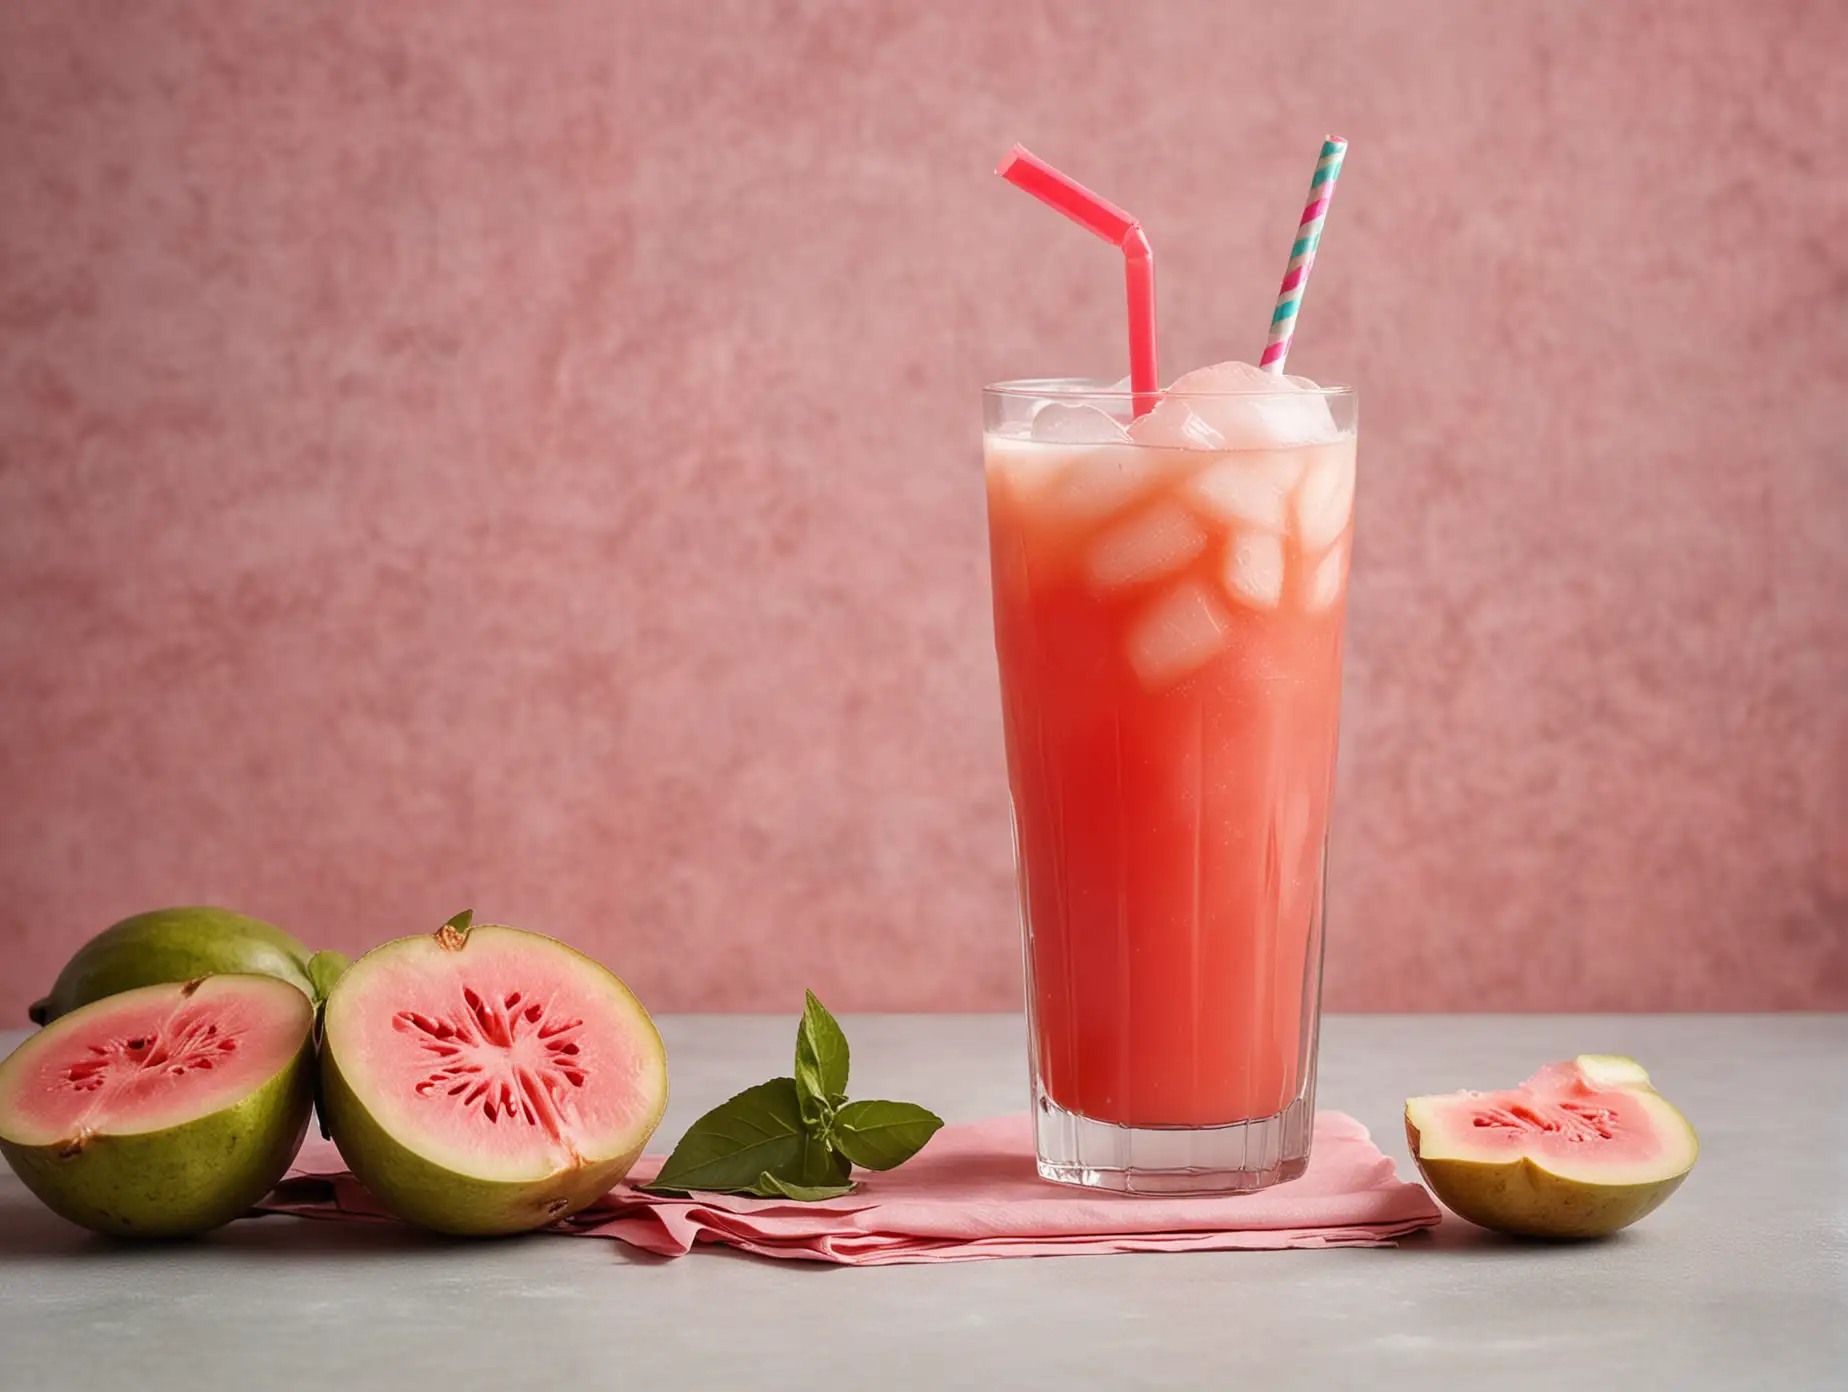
1251	488
1303	419
1174	425
1254	569
1182	630
1059	424
1269	422
1152	544
1233	405
1325	581
1233	376
1100	480
1325	497
1197	434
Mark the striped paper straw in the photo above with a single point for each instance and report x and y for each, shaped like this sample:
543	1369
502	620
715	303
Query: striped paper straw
1302	255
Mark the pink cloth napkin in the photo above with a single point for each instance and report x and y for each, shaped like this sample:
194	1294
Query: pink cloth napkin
971	1193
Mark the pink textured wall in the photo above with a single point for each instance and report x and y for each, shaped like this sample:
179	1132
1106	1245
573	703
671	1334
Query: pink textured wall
524	455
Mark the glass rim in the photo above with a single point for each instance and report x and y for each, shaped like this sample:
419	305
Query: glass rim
1092	389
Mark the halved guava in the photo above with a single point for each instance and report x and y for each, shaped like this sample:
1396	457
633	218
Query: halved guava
1581	1149
488	1080
180	944
162	1111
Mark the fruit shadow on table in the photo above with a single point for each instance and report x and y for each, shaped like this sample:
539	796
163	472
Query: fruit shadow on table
29	1230
1455	1238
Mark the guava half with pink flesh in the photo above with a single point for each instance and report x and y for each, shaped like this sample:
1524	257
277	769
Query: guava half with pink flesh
165	1110
1581	1149
488	1080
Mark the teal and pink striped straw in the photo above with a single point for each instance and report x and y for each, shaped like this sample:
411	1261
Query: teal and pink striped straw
1302	255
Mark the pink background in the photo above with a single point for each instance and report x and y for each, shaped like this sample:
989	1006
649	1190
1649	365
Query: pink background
525	456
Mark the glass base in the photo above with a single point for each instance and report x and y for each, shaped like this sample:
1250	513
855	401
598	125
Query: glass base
1239	1158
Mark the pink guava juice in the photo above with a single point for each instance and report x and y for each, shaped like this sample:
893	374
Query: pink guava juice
1168	605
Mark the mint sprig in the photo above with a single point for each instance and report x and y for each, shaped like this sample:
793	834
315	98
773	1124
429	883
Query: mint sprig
796	1137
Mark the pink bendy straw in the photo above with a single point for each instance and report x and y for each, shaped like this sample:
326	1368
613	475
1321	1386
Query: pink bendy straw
1117	227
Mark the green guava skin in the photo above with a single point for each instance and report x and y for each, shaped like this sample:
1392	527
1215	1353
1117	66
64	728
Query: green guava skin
1524	1200
184	1180
177	944
420	1191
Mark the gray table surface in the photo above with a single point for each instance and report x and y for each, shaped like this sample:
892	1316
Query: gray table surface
1741	1281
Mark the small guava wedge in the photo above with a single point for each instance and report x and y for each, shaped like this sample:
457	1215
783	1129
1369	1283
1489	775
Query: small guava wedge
1581	1149
162	1111
179	944
488	1080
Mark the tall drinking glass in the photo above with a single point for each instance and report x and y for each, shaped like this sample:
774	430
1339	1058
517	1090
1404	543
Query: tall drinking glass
1168	621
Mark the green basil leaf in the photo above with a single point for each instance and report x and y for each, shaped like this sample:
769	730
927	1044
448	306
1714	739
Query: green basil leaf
759	1131
768	1186
821	1063
880	1135
821	1164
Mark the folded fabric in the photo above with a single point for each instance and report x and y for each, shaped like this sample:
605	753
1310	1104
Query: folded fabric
971	1193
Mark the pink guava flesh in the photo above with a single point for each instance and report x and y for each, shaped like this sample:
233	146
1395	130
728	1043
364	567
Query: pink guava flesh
153	1059
509	1058
1529	1121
